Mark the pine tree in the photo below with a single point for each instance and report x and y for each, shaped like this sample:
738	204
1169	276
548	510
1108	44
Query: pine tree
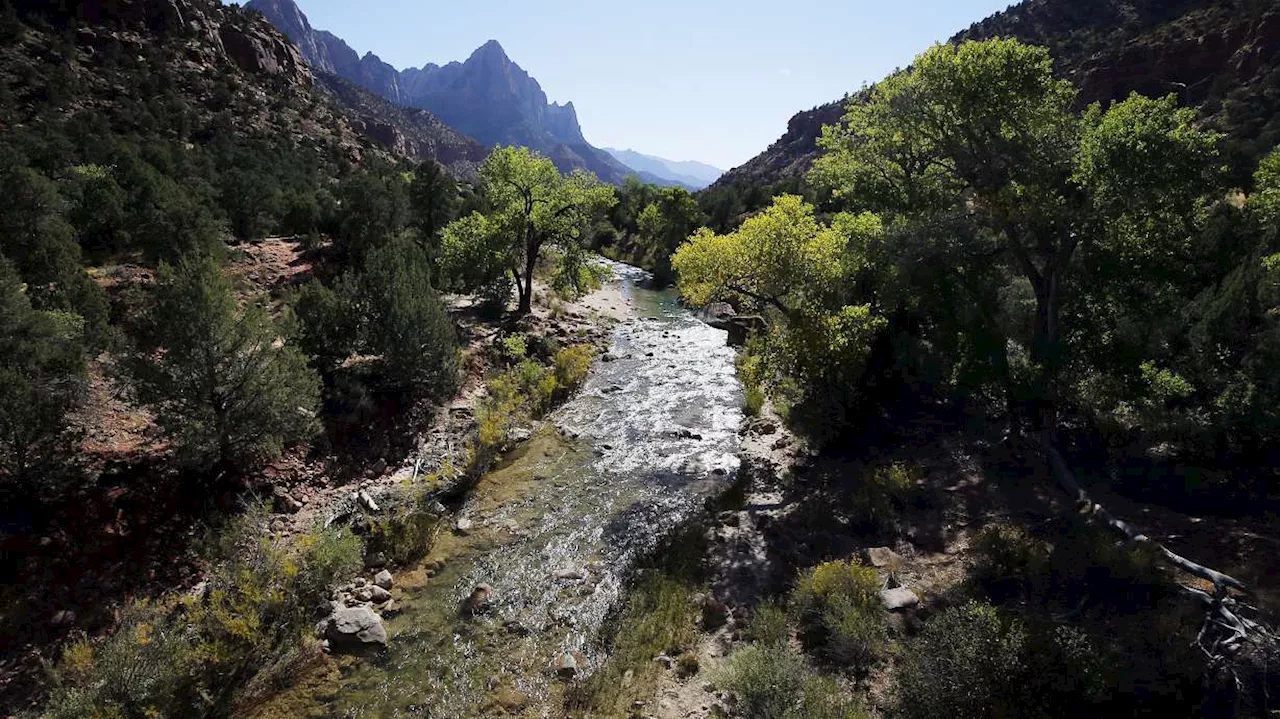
41	376
223	384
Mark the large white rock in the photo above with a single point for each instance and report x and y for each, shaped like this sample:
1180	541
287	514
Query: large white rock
898	598
354	629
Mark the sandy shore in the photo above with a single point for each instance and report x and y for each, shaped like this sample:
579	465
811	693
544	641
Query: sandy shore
608	301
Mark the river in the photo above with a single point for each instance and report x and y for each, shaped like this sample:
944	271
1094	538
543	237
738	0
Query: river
556	528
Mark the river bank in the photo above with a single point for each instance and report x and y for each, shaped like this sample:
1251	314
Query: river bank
173	554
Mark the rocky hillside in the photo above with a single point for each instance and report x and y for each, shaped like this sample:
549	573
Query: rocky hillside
1221	55
198	69
403	131
214	62
488	97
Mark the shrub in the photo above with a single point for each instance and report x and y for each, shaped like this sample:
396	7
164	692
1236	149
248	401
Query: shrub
514	347
978	663
1085	562
572	364
191	656
145	669
767	680
822	698
768	624
771	682
751	370
1088	561
753	401
1010	562
687	664
840	613
883	494
968	660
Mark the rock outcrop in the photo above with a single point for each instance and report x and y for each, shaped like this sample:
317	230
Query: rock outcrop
220	61
255	49
416	134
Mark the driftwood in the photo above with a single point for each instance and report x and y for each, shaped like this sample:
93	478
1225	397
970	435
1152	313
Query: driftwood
1226	631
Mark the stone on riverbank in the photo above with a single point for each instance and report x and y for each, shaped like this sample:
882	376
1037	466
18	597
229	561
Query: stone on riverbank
353	629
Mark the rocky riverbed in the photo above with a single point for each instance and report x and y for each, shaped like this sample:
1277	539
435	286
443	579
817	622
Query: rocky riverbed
509	603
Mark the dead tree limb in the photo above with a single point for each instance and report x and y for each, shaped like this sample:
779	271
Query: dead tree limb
1067	480
1227	632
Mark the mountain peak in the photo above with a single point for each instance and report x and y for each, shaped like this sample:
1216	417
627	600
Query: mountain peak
491	49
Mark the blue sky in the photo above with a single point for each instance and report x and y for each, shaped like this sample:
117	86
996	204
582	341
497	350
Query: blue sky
709	80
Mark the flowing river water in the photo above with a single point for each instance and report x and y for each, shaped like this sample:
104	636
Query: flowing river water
558	526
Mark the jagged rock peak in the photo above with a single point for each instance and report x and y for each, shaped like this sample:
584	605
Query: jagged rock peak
491	48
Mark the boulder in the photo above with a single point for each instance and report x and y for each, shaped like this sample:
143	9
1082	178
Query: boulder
883	557
741	327
570	574
567	665
283	502
366	501
383	579
898	598
463	525
352	629
478	602
717	314
378	595
715	614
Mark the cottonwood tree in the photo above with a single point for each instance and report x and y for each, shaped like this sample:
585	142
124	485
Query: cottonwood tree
799	269
984	131
666	223
534	208
223	384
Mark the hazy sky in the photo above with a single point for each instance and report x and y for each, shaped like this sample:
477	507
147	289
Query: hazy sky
709	80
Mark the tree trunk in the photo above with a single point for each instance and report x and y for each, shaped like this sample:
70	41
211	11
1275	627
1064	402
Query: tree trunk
520	291
1046	351
526	296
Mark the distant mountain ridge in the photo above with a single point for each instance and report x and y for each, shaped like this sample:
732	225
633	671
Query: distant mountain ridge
1222	56
686	173
488	97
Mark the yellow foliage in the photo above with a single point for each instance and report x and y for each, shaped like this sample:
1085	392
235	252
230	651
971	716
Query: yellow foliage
77	657
849	579
572	365
784	253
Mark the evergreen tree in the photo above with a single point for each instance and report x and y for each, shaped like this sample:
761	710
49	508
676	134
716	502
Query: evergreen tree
223	385
41	377
405	322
